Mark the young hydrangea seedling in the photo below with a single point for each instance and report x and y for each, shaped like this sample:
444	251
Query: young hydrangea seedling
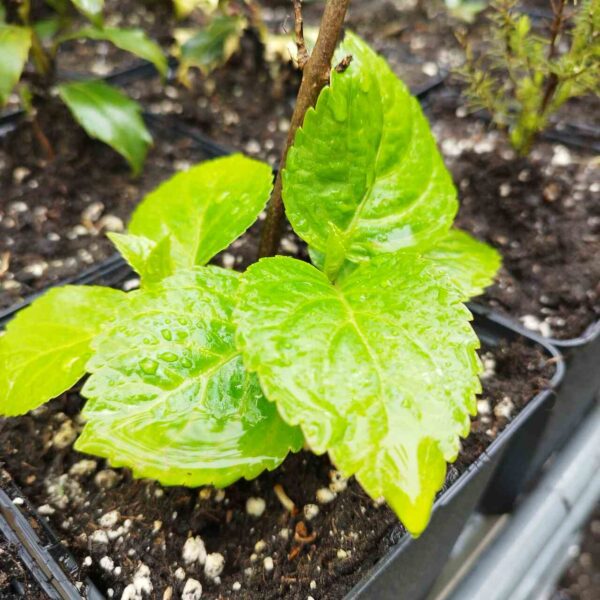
103	111
205	375
524	78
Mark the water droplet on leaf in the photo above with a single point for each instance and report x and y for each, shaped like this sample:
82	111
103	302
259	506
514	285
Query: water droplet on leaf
149	366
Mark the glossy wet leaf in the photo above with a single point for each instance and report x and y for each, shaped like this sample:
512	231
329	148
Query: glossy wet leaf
46	346
379	370
14	48
92	9
169	396
149	259
130	40
470	264
212	45
108	115
366	161
204	209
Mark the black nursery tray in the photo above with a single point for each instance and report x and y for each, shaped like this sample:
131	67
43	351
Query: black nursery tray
32	543
409	568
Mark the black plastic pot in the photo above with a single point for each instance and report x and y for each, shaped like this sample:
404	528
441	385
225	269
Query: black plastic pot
411	567
575	394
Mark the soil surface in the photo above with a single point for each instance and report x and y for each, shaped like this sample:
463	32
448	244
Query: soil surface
54	216
541	212
16	583
122	530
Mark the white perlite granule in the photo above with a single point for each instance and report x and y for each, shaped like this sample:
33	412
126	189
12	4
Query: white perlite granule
255	506
214	564
194	551
192	590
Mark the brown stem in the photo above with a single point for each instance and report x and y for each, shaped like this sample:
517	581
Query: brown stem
299	28
555	30
556	27
315	76
42	139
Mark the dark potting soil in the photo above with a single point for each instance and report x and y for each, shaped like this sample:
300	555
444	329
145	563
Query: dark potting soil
16	583
322	557
541	212
54	215
247	104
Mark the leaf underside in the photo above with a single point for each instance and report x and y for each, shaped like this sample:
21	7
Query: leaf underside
45	347
108	115
169	396
204	209
380	370
366	162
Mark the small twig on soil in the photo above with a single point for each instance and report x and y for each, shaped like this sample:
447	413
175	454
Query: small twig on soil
285	500
315	76
4	263
301	534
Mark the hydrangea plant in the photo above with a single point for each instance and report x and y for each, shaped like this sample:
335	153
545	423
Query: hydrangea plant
206	375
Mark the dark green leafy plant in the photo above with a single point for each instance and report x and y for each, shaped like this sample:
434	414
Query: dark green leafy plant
212	45
524	77
102	110
205	375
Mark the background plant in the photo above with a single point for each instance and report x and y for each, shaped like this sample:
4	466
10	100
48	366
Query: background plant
523	77
102	110
212	45
205	375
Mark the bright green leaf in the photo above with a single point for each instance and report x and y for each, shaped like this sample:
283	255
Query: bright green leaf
366	161
92	9
14	49
204	209
130	40
184	7
380	370
45	29
335	253
169	396
318	259
45	348
212	45
108	115
469	264
149	259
